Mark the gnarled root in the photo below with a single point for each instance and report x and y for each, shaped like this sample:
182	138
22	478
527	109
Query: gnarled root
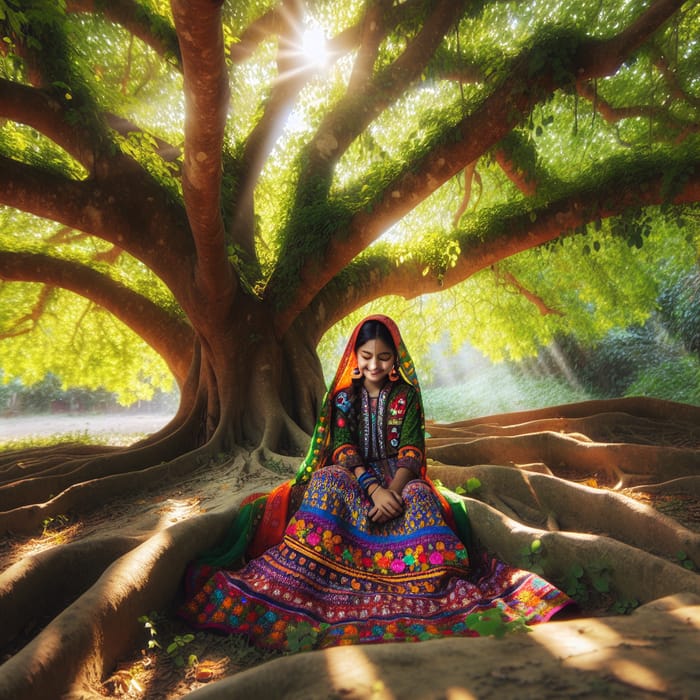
576	507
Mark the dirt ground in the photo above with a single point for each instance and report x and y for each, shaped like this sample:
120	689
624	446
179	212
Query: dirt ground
650	654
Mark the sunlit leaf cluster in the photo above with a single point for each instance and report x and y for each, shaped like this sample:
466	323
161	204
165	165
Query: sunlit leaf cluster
82	344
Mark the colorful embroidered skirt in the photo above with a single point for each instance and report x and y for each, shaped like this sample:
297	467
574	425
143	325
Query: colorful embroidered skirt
337	578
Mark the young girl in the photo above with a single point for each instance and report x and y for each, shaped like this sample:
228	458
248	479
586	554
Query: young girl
360	547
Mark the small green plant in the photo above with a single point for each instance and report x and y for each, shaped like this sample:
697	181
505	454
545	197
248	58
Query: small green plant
176	647
601	577
303	637
583	584
149	623
574	585
625	607
51	523
277	466
470	486
532	557
685	561
494	624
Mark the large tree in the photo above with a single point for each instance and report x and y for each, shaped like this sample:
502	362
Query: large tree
201	173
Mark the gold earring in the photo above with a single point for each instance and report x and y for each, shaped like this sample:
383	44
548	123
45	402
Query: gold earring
393	375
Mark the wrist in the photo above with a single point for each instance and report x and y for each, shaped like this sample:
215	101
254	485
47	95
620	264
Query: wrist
368	482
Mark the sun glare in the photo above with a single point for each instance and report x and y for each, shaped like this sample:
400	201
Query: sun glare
313	46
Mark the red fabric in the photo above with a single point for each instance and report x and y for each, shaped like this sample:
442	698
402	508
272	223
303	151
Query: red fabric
274	521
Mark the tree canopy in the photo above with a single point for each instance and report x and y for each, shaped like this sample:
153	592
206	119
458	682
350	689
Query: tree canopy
319	157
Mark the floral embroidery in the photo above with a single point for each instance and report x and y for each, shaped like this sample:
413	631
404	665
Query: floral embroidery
342	401
347	456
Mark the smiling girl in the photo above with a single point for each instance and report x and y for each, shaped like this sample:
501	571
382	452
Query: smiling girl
360	547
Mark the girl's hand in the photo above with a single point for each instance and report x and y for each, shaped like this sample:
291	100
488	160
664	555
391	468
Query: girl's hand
387	505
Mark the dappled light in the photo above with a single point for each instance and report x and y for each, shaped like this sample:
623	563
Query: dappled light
353	670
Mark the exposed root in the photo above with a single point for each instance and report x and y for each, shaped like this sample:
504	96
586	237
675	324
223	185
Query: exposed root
580	508
634	573
81	645
685	485
109	583
642	407
71	568
19	464
84	495
93	590
609	426
565	454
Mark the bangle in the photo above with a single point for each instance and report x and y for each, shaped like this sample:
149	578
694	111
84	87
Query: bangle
365	480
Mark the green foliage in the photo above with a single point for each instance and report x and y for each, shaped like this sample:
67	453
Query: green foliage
471	485
494	624
52	524
87	348
498	389
592	585
679	303
607	276
302	637
617	359
674	380
685	561
82	437
175	648
149	624
278	467
625	607
532	557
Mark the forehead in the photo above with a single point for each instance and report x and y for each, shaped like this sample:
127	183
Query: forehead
376	347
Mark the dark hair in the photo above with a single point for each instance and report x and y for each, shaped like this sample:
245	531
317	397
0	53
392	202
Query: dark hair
373	330
370	330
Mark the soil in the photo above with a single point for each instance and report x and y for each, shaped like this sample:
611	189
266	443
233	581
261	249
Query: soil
649	654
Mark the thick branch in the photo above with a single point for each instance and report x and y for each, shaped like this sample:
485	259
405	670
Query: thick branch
198	24
136	18
474	135
293	74
45	111
129	211
352	115
371	278
524	180
167	151
170	337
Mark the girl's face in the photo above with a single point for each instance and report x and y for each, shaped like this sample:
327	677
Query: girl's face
375	360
